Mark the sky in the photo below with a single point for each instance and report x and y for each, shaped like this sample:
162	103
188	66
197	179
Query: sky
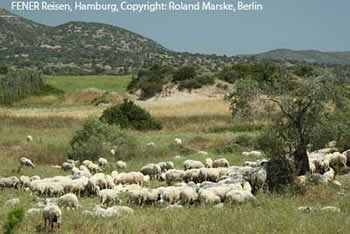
296	24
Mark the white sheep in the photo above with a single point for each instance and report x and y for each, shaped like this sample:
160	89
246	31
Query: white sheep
9	182
253	153
113	152
25	162
25	181
336	159
221	162
68	200
209	174
330	174
209	197
193	175
103	163
208	163
188	195
170	194
52	214
192	164
108	195
29	138
239	196
174	175
121	164
178	141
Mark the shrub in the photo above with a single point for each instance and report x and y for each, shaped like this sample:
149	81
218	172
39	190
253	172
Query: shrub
189	84
129	115
280	174
245	140
185	73
228	149
97	138
14	218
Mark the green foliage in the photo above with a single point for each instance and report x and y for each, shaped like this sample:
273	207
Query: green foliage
304	71
280	174
3	69
151	81
185	73
261	72
302	108
129	115
228	149
97	138
14	217
181	149
245	140
196	83
19	84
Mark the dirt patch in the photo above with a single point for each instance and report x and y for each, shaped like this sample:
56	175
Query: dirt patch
92	96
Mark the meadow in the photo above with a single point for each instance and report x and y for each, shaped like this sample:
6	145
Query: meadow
201	124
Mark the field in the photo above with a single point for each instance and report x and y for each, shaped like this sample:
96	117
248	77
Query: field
203	124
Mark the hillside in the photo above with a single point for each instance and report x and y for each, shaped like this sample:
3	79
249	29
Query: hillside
80	47
310	56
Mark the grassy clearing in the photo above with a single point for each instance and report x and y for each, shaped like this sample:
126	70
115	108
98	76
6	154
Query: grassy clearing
202	125
70	84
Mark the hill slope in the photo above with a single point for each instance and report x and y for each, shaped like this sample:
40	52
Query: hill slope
87	47
310	56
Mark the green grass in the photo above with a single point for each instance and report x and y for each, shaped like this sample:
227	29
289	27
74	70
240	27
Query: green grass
70	84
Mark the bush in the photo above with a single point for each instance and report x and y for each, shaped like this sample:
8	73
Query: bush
228	149
129	115
97	138
14	218
185	73
189	84
280	174
245	140
269	142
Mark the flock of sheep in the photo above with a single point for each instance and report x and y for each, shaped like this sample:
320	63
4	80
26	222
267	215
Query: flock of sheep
209	182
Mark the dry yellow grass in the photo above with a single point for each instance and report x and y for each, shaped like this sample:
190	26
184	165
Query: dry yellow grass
200	107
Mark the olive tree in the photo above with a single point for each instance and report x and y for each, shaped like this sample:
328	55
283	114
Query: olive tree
302	104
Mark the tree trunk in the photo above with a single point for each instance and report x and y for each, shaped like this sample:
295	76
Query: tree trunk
301	160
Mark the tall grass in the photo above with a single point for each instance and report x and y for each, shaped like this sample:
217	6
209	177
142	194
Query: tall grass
19	84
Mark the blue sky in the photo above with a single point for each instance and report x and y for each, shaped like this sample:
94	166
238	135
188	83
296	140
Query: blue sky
297	24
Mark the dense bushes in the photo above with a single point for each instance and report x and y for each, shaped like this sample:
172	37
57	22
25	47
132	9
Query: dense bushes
14	218
150	82
129	115
19	84
97	138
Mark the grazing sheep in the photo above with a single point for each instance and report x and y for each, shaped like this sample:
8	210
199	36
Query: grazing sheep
192	164
152	170
68	200
103	163
239	196
209	197
336	159
113	152
94	168
208	163
193	175
221	162
52	214
330	174
12	202
129	178
67	166
253	153
170	194
108	195
112	211
203	153
24	181
178	141
9	182
151	144
121	164
258	178
164	166
25	162
174	175
29	139
86	163
188	195
209	174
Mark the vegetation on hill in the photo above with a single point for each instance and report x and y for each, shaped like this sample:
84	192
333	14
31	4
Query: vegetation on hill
80	48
